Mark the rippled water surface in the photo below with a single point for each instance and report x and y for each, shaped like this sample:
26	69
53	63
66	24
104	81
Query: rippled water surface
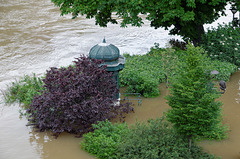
34	37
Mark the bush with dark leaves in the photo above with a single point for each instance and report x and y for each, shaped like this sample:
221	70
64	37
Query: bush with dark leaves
75	98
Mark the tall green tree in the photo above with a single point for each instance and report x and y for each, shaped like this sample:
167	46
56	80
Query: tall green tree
186	16
195	111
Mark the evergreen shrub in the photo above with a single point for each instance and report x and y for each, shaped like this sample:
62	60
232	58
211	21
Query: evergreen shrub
195	110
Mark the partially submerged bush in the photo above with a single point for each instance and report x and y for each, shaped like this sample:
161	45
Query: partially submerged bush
143	83
104	141
223	43
225	69
155	139
75	98
142	74
24	90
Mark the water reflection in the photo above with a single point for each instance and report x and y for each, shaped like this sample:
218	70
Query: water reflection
14	136
65	146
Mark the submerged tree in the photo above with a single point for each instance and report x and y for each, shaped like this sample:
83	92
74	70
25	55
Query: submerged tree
192	97
187	16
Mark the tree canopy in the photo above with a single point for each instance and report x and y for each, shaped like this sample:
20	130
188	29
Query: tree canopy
186	16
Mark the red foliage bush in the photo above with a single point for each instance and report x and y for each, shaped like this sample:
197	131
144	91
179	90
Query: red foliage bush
75	98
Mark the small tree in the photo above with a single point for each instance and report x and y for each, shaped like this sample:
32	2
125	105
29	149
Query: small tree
192	97
75	98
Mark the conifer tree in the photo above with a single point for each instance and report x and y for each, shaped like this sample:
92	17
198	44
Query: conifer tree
195	112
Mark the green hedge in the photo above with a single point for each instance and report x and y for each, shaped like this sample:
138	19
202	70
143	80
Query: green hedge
155	139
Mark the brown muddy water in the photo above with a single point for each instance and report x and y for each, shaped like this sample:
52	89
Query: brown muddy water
22	142
34	37
228	148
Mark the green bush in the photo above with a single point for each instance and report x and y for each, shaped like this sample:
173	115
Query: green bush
153	140
225	69
104	141
157	139
142	74
223	43
142	83
24	90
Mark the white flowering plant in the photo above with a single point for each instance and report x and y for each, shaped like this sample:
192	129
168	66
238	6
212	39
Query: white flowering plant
223	43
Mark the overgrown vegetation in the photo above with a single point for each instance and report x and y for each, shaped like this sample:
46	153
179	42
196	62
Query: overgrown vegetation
155	139
223	43
79	99
24	90
195	111
143	73
104	141
75	98
225	69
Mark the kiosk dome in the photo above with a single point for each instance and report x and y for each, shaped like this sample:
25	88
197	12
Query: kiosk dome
109	53
104	51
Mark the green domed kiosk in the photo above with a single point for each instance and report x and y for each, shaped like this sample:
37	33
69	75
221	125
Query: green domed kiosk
111	56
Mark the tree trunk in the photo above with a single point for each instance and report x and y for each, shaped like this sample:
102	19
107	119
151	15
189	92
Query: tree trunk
167	81
200	32
190	142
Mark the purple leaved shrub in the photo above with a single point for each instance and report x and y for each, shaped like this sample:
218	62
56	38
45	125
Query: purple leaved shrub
75	98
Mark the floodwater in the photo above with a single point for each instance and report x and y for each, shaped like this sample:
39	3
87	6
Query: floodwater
34	37
229	148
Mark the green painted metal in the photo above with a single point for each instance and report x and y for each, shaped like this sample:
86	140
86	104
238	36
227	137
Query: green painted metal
126	95
104	51
112	58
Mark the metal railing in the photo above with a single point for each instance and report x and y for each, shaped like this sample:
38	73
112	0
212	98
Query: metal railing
126	95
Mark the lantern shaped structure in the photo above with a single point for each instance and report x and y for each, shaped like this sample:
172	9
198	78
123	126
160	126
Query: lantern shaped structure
110	54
